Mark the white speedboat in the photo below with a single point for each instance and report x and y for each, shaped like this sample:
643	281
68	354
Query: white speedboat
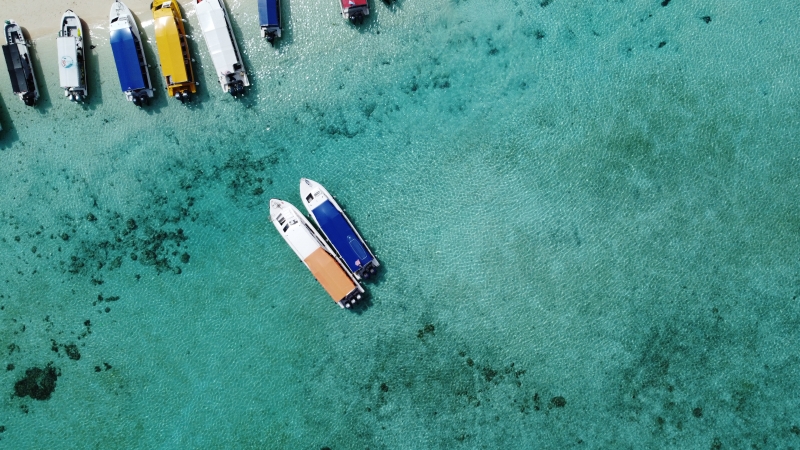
338	229
126	44
71	58
20	67
222	45
315	253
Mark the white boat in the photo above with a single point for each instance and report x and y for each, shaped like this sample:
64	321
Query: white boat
71	58
337	228
222	45
20	67
126	44
315	253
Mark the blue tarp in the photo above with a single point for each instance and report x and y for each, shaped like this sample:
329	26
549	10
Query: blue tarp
269	14
127	59
342	236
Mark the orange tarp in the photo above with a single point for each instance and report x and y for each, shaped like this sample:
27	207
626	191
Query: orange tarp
329	274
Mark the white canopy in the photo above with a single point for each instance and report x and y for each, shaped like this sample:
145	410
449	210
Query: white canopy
68	70
218	37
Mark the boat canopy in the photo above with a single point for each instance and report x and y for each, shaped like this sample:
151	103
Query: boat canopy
69	71
346	4
329	274
218	38
126	55
169	47
18	69
342	236
269	14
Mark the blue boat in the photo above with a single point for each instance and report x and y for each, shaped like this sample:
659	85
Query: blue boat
126	44
269	16
338	229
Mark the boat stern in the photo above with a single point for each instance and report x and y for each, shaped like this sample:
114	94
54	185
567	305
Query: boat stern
173	50
355	10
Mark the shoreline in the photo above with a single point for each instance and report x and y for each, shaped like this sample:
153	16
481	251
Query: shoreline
43	19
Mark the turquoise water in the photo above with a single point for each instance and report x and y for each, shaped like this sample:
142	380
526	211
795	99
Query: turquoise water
588	238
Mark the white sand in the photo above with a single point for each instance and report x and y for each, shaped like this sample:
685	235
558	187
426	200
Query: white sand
40	18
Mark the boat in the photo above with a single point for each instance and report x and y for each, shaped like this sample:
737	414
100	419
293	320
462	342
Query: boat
337	228
225	54
20	67
315	253
355	10
126	44
173	51
71	59
269	16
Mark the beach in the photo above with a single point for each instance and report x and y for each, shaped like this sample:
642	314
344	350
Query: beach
40	19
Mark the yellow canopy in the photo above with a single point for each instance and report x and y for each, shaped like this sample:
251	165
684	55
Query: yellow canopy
170	52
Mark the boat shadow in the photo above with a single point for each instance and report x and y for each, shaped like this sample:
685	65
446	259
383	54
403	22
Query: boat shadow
159	99
362	306
8	135
193	41
375	280
44	103
370	24
287	31
393	5
249	99
93	79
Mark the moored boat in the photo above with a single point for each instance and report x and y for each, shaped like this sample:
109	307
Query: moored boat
126	44
315	253
269	17
173	50
337	228
222	45
20	67
71	58
354	10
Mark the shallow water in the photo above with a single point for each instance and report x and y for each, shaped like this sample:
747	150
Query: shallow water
588	238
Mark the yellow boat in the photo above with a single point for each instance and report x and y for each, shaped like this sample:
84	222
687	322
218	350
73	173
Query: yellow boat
173	51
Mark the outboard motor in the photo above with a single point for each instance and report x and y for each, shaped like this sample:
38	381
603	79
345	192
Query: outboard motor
28	98
357	18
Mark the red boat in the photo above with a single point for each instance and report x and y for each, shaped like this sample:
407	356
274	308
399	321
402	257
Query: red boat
355	10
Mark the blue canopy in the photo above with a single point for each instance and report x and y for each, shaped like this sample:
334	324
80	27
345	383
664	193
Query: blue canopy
269	13
127	59
342	236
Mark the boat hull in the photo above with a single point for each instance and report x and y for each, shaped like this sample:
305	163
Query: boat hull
129	57
173	50
317	256
218	34
71	58
19	64
337	229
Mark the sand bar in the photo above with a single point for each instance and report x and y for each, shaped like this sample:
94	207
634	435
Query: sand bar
40	18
